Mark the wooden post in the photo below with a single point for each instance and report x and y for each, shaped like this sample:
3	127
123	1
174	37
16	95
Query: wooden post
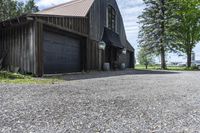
39	48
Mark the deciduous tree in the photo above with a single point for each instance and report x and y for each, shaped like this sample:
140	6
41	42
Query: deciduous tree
185	26
144	58
12	8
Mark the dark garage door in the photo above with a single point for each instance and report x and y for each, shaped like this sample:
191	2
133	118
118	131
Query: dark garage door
61	54
128	59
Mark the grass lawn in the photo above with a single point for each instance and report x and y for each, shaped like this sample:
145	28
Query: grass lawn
14	78
171	68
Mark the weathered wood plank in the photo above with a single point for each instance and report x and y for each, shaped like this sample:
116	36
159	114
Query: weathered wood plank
74	24
38	27
16	41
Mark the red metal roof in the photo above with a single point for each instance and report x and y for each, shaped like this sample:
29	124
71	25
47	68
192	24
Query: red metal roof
77	8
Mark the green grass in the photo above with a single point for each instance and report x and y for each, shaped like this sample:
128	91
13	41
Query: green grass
14	78
171	68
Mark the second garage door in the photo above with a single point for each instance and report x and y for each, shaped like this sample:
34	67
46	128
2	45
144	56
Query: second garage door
62	54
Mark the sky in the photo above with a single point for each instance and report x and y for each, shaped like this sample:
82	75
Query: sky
130	10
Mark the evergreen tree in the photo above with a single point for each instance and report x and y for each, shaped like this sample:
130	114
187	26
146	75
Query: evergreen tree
153	32
30	7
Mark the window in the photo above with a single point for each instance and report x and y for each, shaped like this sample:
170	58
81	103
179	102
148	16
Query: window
111	18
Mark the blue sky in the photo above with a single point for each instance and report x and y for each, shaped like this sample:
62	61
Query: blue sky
130	10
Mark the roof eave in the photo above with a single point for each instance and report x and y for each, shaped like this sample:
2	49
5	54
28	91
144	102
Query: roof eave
52	15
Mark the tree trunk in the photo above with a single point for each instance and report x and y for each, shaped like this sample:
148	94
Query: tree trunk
146	66
189	59
163	62
162	50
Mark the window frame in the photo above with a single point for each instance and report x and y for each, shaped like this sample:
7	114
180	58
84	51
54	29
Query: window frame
111	18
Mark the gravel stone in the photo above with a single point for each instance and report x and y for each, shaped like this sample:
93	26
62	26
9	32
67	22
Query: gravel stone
112	102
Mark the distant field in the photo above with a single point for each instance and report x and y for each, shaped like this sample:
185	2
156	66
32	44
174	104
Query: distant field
157	67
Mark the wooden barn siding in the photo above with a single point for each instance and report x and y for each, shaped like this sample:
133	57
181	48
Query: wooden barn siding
1	45
98	20
120	24
95	21
72	24
92	55
79	26
17	41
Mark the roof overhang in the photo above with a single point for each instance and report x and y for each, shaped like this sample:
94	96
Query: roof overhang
112	38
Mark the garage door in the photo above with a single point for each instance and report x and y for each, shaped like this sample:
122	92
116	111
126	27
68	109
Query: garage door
61	54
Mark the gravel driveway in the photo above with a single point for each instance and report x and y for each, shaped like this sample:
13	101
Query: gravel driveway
121	102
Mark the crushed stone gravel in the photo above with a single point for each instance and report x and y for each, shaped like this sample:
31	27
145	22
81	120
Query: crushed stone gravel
113	102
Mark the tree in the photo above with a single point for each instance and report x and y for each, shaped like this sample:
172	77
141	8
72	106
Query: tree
185	26
30	7
153	34
12	8
144	58
7	9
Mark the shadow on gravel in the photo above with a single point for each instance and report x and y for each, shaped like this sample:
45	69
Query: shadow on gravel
92	75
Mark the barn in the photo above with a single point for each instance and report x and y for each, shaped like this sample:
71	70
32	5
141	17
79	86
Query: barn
81	35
